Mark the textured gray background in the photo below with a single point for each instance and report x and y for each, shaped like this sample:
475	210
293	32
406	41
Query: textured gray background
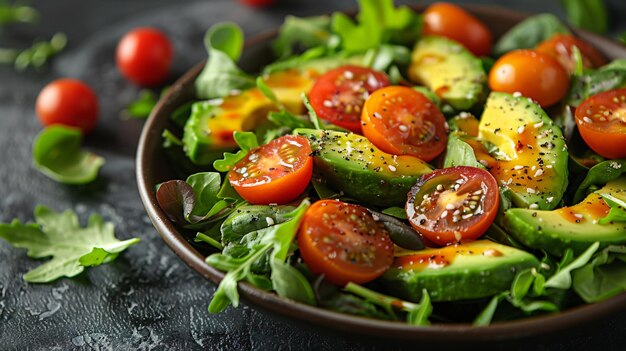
147	298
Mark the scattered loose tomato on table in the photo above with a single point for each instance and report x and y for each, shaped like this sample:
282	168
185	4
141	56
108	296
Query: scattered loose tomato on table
69	102
144	56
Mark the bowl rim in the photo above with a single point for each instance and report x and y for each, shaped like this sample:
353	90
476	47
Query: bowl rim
445	333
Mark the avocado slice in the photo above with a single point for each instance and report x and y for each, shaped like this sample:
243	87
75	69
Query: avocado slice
471	270
449	70
352	164
529	152
574	227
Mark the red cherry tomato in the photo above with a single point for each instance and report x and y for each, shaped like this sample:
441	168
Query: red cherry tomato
601	120
258	3
144	56
453	205
533	74
560	48
401	121
68	102
338	95
453	22
343	242
277	172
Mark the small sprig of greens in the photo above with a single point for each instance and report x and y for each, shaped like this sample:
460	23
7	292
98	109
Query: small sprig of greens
306	32
603	277
246	141
57	154
36	56
145	103
17	13
72	247
417	314
314	118
275	241
378	22
530	32
591	15
221	75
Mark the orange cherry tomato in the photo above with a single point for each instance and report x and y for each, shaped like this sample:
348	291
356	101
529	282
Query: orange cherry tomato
560	48
453	205
402	121
344	242
339	94
531	73
144	56
601	120
68	102
277	172
453	22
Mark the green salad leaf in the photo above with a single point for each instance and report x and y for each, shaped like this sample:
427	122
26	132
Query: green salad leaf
599	174
591	15
314	118
563	278
617	213
305	32
143	106
246	141
57	154
460	153
530	32
72	247
603	277
35	56
383	57
17	13
378	22
221	75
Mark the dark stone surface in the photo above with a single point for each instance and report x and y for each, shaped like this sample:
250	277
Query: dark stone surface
147	299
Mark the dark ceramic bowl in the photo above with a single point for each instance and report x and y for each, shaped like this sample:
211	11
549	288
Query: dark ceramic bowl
153	168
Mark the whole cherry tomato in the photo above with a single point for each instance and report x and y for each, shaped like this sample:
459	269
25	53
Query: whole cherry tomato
68	102
144	56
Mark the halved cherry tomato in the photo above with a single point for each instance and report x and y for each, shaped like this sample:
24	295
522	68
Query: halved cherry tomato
402	121
277	172
344	242
68	102
560	48
601	120
453	22
533	74
338	95
144	56
453	205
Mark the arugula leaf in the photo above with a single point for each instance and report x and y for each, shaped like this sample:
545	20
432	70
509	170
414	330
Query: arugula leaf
60	236
599	174
57	154
277	238
563	279
221	76
530	32
378	22
617	213
143	106
460	153
268	93
591	15
603	277
418	314
305	32
246	141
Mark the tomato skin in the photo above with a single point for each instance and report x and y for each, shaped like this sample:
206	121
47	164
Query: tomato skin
343	242
339	94
560	48
274	173
601	121
258	3
533	74
68	102
144	56
402	121
454	23
453	205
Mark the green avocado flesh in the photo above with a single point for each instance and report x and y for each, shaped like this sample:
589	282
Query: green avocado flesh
466	271
449	70
352	164
572	227
530	156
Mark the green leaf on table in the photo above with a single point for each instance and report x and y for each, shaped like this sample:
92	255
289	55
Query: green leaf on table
246	141
377	22
530	32
221	75
72	247
17	13
563	278
603	277
591	15
617	212
143	106
57	154
304	32
39	53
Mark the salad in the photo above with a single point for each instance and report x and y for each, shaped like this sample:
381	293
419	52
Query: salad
404	166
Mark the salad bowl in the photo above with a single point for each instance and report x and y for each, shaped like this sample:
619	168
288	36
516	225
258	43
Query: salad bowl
153	169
